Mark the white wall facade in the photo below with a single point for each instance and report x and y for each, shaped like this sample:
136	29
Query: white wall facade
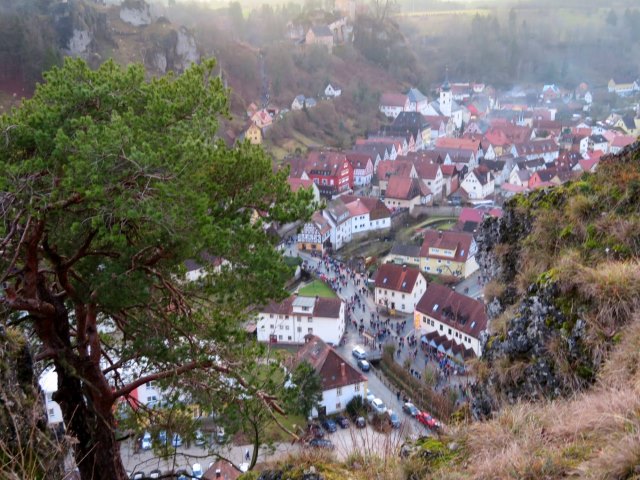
401	301
292	328
336	399
429	324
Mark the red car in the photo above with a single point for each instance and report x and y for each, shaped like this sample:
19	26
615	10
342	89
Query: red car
426	419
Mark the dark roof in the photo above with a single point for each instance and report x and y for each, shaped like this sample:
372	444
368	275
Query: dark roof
598	139
405	250
449	345
397	277
334	370
454	309
321	31
482	175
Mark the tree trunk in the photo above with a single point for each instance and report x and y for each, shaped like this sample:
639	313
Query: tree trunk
97	453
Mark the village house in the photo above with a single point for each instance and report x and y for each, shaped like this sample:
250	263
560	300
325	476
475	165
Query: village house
203	266
298	183
262	119
519	177
448	253
362	164
389	168
405	192
451	178
320	35
315	234
253	134
392	104
411	123
367	214
332	92
598	142
417	101
339	218
301	102
546	149
478	183
398	288
431	175
340	381
623	88
404	254
452	323
621	141
330	171
289	321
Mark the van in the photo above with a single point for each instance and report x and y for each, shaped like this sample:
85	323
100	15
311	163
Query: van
146	441
359	353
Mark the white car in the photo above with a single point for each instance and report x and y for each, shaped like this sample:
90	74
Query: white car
359	353
378	406
146	441
370	397
196	470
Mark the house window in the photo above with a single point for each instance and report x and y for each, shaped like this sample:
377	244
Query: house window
309	330
338	406
281	327
441	327
356	388
339	391
403	296
279	337
299	329
449	331
310	320
51	412
273	327
403	307
299	318
271	316
286	327
289	337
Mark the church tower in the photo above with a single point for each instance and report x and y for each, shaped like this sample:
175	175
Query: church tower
445	96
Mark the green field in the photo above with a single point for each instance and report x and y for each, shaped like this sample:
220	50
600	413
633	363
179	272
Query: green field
317	288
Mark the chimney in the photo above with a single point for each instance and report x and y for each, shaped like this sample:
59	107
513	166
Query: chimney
218	473
343	370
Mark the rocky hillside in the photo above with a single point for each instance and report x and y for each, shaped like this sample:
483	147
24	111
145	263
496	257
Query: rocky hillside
27	447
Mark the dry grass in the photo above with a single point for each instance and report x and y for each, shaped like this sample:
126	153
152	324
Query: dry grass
493	290
594	435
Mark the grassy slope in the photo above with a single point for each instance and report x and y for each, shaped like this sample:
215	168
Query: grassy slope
317	288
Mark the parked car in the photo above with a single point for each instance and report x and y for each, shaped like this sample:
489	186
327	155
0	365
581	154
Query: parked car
370	397
426	419
361	422
220	435
321	443
199	438
329	425
138	476
410	408
364	365
394	420
162	437
317	431
146	441
176	440
359	353
155	473
182	474
196	470
378	406
342	421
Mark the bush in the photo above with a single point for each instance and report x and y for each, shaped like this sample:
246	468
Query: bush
356	408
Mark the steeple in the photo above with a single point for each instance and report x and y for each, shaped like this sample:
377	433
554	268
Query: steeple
446	86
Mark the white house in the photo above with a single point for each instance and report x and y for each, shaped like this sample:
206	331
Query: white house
417	101
598	142
298	103
340	381
367	214
392	104
290	321
452	322
332	92
338	217
431	175
315	234
207	263
362	164
478	184
399	287
49	384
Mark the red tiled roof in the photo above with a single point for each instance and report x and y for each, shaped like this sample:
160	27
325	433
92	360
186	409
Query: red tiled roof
471	215
623	140
459	143
388	168
298	183
448	170
397	277
458	241
454	309
404	188
393	100
358	160
334	370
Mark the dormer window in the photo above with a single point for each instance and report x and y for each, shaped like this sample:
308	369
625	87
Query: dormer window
435	307
473	324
